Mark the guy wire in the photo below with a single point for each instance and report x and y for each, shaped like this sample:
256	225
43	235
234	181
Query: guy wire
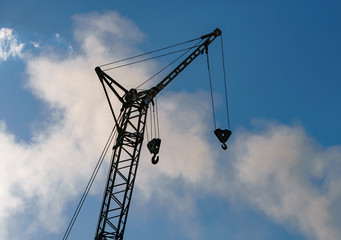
143	54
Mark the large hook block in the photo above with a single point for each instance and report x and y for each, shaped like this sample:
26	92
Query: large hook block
223	136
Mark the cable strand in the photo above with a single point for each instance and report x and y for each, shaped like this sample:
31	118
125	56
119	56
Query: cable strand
226	98
147	59
90	182
157	118
167	66
210	81
143	54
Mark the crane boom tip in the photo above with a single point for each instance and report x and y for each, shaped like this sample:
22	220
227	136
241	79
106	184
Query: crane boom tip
217	32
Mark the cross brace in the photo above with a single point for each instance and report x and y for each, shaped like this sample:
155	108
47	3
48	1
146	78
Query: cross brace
126	151
122	172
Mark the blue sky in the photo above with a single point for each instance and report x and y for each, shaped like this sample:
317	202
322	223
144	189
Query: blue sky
279	178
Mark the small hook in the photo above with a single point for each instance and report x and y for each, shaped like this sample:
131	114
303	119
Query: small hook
223	146
155	161
154	147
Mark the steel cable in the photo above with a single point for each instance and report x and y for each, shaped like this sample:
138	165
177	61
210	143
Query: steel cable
157	118
143	54
167	65
223	60
211	90
87	189
147	59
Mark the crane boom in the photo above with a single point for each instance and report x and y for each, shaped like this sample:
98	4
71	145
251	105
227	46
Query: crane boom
199	50
130	126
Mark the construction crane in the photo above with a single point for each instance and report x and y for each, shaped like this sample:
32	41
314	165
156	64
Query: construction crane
130	126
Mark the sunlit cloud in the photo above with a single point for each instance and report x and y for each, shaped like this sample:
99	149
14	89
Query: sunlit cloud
277	169
283	172
35	44
50	170
10	46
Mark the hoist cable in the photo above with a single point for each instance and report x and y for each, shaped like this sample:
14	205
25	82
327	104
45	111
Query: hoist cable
155	121
157	118
223	60
146	130
151	123
210	80
167	65
147	59
87	189
143	54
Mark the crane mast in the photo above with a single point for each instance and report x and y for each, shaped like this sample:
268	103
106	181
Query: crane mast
130	125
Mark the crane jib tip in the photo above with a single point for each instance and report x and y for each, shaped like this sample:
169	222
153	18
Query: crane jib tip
217	32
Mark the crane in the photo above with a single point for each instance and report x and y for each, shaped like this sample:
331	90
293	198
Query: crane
130	126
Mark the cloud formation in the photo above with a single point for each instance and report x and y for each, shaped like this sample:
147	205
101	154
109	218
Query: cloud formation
38	177
10	46
278	169
287	175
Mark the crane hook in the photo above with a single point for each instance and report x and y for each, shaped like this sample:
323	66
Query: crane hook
155	161
223	136
223	146
154	148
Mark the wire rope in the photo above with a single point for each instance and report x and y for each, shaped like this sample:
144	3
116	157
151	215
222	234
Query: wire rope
90	182
147	131
143	54
147	59
154	118
157	118
167	66
210	81
151	123
226	98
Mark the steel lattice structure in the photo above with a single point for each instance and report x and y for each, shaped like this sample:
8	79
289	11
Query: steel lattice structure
130	126
122	173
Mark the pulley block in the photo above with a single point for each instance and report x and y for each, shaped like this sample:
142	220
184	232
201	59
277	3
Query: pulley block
154	148
223	136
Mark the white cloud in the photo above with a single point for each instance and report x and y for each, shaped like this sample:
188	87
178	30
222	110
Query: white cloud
35	44
276	169
52	168
279	170
289	177
9	44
